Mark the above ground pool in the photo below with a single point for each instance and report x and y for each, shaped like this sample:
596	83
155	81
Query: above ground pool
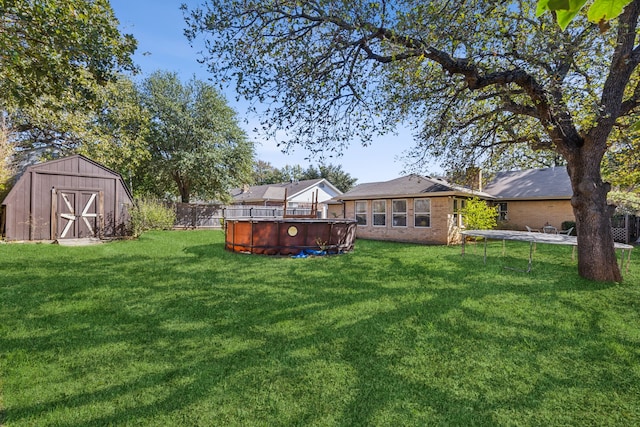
289	236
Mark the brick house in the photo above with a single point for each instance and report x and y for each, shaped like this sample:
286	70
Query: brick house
412	208
427	210
532	197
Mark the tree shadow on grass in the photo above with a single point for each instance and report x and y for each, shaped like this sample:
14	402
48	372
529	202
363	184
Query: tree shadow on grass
391	334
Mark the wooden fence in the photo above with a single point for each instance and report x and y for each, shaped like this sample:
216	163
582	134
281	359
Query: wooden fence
196	215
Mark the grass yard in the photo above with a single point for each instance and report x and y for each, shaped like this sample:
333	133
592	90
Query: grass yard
172	330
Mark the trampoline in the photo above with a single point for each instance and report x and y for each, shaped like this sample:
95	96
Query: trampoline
534	238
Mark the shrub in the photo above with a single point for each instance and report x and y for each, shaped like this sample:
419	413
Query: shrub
148	214
478	215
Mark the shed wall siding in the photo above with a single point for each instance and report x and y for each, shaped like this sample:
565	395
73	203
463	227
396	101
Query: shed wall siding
18	210
40	207
28	205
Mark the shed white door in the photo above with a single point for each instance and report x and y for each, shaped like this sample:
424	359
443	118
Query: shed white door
78	213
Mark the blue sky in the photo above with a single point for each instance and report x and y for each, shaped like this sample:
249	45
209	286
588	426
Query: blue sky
158	27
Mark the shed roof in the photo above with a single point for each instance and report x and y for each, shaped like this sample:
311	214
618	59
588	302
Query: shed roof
75	165
548	183
409	186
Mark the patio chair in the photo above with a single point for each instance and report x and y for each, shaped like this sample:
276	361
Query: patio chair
549	229
567	232
531	230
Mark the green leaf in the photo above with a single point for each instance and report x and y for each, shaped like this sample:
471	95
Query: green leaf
566	10
543	6
559	5
564	17
605	10
635	127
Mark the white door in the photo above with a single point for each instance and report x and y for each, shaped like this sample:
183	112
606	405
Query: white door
77	214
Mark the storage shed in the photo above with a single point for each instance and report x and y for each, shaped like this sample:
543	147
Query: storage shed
68	198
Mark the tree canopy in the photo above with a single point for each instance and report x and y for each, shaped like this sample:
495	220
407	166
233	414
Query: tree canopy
6	152
336	74
195	142
57	46
265	173
111	130
332	173
469	77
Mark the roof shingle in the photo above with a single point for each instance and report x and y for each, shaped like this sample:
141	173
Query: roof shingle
410	185
548	183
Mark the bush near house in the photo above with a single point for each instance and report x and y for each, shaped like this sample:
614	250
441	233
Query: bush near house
478	215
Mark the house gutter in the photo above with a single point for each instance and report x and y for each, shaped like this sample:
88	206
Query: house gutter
420	195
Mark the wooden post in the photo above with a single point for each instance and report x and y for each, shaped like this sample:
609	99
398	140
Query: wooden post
314	208
284	211
100	231
627	236
54	213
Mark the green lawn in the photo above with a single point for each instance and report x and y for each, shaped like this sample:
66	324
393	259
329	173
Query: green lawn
173	330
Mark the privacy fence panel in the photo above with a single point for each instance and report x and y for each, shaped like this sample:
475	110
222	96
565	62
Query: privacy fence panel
195	215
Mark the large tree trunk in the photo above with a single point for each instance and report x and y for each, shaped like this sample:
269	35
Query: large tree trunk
185	193
596	252
183	187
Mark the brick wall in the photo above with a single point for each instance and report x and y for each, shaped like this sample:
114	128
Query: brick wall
441	230
534	214
537	213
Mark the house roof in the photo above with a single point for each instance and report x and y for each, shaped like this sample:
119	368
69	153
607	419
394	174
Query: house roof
276	192
548	183
409	186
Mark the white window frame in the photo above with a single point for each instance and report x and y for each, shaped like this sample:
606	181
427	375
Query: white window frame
375	213
395	215
459	204
417	213
503	211
361	214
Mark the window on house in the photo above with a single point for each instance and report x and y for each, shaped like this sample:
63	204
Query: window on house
399	213
361	213
422	212
379	208
458	206
502	211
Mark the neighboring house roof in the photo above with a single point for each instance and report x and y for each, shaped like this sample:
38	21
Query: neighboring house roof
548	183
276	192
409	186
